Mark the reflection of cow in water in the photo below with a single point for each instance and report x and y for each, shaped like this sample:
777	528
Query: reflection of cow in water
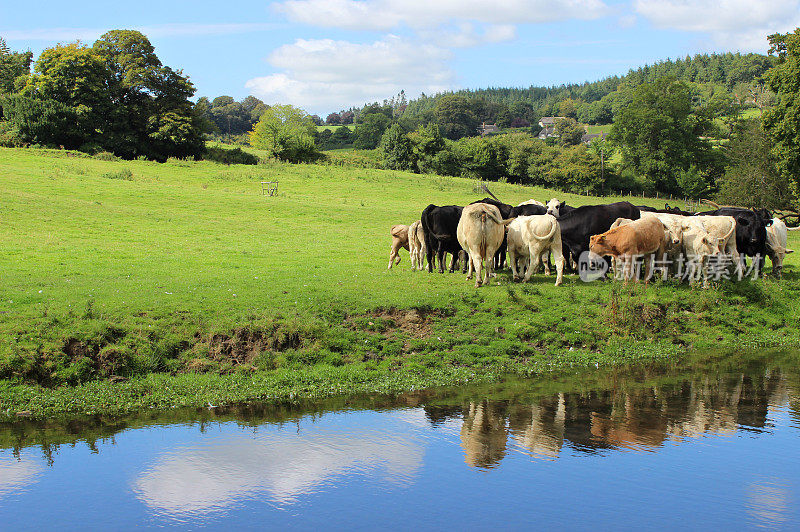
594	421
484	434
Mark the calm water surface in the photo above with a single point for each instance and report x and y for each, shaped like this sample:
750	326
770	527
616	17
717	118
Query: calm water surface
690	448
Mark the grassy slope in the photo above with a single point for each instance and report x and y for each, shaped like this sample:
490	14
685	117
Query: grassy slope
160	273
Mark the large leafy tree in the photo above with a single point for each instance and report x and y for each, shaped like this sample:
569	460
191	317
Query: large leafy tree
658	134
396	149
287	133
782	121
152	114
369	130
72	76
455	117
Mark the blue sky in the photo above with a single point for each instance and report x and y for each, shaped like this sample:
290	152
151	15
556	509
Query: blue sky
325	55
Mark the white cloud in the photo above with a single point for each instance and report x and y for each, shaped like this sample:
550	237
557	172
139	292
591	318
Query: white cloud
158	30
324	74
389	14
737	24
466	35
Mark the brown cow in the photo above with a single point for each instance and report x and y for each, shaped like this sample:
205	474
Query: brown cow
642	237
399	240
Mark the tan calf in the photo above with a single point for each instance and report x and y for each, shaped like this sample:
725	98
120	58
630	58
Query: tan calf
416	245
640	238
399	240
480	231
529	238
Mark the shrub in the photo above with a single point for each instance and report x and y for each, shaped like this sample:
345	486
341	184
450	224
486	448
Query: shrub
125	174
106	156
228	156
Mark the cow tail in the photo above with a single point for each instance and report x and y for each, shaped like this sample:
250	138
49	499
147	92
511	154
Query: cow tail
726	237
553	229
484	230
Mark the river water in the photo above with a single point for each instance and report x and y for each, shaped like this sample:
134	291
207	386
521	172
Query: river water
697	446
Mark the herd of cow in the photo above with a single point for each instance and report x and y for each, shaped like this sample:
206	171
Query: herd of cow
626	235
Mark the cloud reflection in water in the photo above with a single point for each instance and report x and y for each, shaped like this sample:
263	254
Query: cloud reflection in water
283	466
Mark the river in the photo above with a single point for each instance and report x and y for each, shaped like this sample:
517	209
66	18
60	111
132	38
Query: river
693	446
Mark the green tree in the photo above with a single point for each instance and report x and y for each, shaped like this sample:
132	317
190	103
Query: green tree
455	118
751	177
151	113
569	131
286	133
396	150
12	66
427	143
73	76
657	133
782	121
369	131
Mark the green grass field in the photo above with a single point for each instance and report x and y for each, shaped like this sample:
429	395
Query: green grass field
129	268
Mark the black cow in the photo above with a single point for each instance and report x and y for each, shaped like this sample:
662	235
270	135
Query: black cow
751	229
667	209
583	222
563	209
504	208
529	209
505	211
439	225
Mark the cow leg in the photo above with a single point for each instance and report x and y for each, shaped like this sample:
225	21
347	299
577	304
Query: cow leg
476	263
545	260
512	259
534	256
469	271
392	255
558	258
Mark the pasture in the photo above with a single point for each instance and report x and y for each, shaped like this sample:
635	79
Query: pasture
131	268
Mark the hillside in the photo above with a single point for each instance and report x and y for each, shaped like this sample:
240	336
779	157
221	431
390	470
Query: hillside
708	74
128	269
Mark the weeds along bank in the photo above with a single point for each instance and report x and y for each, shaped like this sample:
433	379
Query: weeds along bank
185	270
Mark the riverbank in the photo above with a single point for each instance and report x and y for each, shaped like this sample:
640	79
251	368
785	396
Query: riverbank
182	285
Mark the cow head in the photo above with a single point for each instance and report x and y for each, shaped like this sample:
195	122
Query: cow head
554	207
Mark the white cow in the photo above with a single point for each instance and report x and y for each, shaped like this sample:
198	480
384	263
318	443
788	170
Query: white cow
723	229
480	231
532	202
777	242
416	245
529	238
698	246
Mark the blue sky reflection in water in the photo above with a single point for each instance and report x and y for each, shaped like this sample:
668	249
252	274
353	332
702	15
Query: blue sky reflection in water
701	452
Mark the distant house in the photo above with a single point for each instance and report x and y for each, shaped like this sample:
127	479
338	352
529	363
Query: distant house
548	125
587	138
487	129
